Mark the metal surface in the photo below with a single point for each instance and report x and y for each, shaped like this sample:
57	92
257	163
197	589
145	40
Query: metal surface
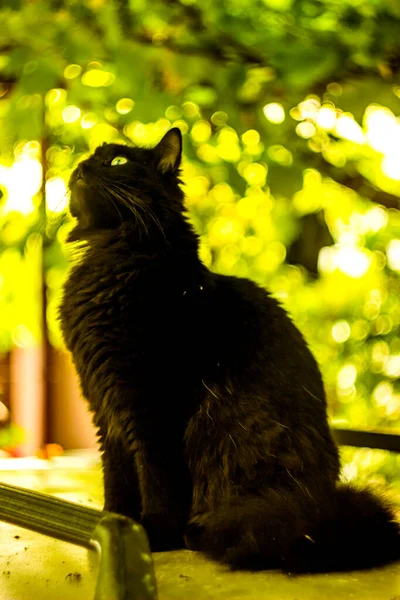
367	439
48	515
126	566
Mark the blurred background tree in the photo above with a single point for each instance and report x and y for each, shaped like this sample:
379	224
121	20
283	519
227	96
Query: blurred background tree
289	110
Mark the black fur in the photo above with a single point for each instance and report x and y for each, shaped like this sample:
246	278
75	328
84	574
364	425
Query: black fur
210	407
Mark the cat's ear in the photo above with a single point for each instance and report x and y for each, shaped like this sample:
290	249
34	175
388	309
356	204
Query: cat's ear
169	151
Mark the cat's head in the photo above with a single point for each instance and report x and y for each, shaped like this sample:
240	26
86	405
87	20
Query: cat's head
122	185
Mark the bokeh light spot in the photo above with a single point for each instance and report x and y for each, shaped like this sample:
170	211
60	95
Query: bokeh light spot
393	254
98	78
72	71
71	114
274	113
341	331
124	106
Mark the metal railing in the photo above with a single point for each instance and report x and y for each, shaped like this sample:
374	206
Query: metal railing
367	439
126	567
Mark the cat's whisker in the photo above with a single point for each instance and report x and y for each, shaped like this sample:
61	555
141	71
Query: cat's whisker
116	190
110	194
120	198
138	205
303	488
151	215
48	218
280	424
207	501
157	222
211	392
61	201
233	441
242	426
312	395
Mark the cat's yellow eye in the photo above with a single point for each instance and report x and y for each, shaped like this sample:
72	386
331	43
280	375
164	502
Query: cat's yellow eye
118	160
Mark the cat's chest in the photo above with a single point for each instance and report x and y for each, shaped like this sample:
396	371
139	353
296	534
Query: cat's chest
122	308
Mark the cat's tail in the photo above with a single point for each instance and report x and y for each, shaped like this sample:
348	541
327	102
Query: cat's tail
361	533
358	531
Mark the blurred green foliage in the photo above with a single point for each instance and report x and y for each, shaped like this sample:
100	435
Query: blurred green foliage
289	110
372	468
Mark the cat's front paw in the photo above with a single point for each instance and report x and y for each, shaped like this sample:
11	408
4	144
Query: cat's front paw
163	532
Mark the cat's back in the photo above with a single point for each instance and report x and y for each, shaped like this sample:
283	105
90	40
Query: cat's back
259	344
252	312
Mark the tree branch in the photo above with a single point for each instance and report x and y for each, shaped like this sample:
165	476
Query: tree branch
359	184
196	17
212	52
364	188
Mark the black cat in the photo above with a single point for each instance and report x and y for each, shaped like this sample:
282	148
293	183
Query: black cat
210	407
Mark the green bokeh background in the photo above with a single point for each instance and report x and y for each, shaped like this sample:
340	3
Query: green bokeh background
289	111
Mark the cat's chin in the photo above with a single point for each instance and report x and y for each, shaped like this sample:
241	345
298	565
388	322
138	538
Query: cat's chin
78	191
74	207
